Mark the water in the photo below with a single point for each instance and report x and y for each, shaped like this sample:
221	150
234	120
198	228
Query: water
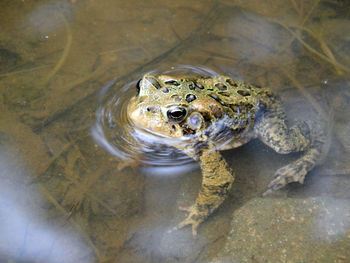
67	197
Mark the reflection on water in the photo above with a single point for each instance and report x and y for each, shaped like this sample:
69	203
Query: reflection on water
65	199
27	234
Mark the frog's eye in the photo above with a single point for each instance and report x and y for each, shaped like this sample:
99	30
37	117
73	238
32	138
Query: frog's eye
138	86
176	114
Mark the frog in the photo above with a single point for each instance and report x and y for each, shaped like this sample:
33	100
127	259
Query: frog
204	115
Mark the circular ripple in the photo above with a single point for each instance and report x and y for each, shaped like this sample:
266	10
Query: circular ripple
115	132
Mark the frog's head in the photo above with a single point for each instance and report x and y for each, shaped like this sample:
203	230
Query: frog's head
172	106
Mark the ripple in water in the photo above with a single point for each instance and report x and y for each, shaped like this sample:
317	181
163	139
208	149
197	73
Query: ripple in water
116	133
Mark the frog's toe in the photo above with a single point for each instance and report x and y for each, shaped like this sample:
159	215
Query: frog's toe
193	219
275	185
186	208
189	221
284	176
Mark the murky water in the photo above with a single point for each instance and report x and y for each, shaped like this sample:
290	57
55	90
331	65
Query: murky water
67	70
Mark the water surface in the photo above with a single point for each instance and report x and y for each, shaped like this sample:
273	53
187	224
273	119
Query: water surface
63	197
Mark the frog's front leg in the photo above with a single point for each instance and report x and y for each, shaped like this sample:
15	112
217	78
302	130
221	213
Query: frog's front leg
217	180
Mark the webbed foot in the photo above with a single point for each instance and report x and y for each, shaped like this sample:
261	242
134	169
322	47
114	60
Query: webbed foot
193	219
294	172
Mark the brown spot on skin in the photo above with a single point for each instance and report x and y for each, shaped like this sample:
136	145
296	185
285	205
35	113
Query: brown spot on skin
245	107
221	86
207	107
243	92
248	105
215	97
190	98
154	82
223	189
224	93
231	82
172	82
217	111
234	107
200	86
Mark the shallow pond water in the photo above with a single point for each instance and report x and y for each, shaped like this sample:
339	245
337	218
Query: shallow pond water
63	194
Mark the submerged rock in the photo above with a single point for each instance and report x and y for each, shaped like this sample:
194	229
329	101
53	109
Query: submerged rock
289	230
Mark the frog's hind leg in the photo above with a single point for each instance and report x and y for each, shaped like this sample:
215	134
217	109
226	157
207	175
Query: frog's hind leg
304	136
296	171
217	180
